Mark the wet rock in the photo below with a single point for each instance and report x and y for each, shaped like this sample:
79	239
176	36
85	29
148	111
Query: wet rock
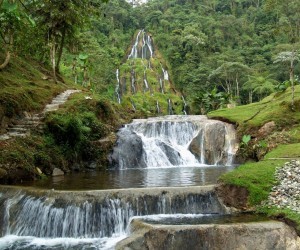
57	172
209	143
128	151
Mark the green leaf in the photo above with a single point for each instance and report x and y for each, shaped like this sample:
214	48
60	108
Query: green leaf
246	139
83	56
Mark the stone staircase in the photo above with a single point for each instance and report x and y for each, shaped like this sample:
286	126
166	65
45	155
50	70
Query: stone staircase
22	127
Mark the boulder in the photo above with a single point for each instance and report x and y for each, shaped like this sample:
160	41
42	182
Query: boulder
128	151
57	172
267	129
211	140
255	235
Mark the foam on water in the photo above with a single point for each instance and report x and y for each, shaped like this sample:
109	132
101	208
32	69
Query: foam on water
30	242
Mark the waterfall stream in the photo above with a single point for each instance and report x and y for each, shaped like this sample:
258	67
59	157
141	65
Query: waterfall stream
50	219
89	219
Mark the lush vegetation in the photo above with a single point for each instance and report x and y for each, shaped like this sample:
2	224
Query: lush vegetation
217	53
246	49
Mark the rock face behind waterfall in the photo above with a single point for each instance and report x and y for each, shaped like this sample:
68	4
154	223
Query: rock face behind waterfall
174	141
209	146
129	149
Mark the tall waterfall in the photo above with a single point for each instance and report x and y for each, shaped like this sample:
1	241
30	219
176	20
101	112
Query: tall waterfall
174	141
142	47
118	88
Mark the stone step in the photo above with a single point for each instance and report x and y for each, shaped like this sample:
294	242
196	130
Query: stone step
16	134
18	129
21	127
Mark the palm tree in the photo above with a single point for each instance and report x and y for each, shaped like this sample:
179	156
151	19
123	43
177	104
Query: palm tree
261	84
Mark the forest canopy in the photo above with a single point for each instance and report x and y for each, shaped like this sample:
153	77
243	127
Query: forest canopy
217	51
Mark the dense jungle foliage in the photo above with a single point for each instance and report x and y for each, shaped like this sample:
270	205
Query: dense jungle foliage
218	51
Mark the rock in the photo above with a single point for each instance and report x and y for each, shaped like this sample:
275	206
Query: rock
128	151
255	235
213	147
57	172
76	167
39	171
267	129
92	165
3	173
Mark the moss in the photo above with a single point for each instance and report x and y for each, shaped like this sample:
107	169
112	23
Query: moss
23	89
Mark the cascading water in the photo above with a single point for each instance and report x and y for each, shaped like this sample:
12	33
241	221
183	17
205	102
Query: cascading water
118	89
165	73
161	86
157	108
142	48
45	219
175	141
146	87
170	107
184	106
134	51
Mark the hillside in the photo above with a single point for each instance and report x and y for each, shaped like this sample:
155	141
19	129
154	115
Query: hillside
272	129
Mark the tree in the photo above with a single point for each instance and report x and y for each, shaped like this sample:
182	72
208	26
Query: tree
61	20
291	58
229	75
12	19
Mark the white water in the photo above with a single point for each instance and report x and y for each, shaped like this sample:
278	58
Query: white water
91	220
184	105
161	86
142	47
167	142
117	90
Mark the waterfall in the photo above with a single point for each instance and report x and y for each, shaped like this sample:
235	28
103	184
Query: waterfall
161	85
96	214
184	106
165	74
118	89
142	48
134	51
157	108
146	82
170	141
149	44
170	107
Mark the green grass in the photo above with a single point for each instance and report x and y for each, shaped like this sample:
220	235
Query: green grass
286	215
276	107
257	178
22	87
285	151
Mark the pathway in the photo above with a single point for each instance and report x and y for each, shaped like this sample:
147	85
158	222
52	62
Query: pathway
23	127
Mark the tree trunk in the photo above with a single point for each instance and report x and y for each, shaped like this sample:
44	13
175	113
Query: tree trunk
52	58
60	51
6	61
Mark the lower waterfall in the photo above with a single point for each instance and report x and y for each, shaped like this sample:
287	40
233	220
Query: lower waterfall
91	215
